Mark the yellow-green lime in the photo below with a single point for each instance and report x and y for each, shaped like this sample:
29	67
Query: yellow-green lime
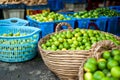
115	71
89	67
88	76
102	64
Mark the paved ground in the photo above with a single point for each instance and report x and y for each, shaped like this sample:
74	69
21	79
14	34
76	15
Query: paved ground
34	69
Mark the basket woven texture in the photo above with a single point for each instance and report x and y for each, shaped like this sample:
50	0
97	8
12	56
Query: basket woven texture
18	48
99	48
65	64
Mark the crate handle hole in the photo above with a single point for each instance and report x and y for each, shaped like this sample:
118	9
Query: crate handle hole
14	21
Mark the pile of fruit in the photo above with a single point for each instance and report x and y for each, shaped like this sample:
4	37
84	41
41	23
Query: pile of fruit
78	39
49	17
12	34
105	68
95	13
12	44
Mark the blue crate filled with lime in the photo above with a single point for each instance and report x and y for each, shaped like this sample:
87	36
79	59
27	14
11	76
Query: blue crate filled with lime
48	20
117	8
18	43
13	21
99	17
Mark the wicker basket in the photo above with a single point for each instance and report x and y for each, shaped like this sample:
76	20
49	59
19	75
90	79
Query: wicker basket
65	64
99	48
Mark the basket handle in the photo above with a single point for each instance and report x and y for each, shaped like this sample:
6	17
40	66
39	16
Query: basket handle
102	45
16	21
93	25
58	27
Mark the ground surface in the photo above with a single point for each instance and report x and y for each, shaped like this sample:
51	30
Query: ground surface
34	69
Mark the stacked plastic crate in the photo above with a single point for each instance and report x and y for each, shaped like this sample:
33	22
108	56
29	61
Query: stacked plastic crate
114	22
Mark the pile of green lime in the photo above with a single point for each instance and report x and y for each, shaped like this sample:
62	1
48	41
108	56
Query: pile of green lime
78	39
49	17
105	68
95	13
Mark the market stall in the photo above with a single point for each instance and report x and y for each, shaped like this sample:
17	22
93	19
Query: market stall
59	39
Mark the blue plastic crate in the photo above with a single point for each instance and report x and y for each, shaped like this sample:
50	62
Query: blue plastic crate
93	23
49	27
20	47
12	6
67	13
117	8
71	22
55	5
72	1
37	7
46	27
114	25
13	21
89	23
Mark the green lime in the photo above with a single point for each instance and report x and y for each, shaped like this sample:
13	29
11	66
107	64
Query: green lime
117	57
115	52
69	41
112	63
105	71
48	48
53	47
77	35
98	75
89	67
56	43
66	45
60	39
109	74
106	78
61	46
44	46
113	78
92	61
77	30
102	64
75	43
79	38
69	36
88	76
106	55
115	72
111	58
